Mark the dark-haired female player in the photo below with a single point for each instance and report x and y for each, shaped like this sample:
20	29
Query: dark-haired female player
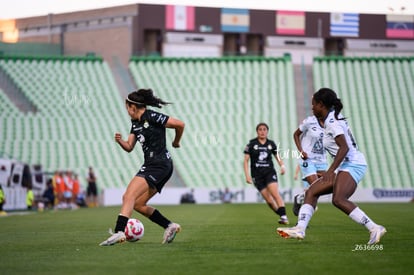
263	174
349	163
309	141
148	128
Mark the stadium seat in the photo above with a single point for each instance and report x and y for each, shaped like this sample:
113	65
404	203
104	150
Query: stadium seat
78	110
221	101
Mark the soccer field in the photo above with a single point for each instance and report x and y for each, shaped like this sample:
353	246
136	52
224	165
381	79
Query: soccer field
216	239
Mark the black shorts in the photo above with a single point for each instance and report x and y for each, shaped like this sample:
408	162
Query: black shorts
156	173
91	190
261	180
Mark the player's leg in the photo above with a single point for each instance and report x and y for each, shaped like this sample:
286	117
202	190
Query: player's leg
269	200
343	189
299	199
273	190
136	188
345	185
316	190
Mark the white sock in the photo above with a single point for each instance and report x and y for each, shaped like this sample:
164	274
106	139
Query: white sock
305	215
360	217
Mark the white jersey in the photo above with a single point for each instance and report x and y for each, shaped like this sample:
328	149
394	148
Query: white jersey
334	128
312	139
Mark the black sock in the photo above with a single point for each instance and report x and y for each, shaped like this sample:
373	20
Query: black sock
281	211
121	222
159	219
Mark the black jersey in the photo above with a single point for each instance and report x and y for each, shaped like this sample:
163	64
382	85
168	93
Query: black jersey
150	132
260	155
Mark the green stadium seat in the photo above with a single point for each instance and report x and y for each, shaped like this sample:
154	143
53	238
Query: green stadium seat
221	101
79	109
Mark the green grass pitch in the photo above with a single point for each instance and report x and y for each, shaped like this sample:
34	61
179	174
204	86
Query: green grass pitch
216	239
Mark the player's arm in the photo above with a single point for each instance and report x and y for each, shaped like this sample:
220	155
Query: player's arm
297	171
296	138
178	125
127	145
343	149
246	168
281	164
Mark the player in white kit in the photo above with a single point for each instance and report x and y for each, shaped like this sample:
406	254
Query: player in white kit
343	175
309	142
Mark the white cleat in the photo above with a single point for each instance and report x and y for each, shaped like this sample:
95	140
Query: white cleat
376	234
118	237
291	233
170	232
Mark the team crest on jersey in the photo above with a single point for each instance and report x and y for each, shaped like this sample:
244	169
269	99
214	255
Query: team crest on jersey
269	147
255	147
263	155
141	138
146	124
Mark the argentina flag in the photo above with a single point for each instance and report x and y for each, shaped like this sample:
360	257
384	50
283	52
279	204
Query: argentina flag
344	24
235	20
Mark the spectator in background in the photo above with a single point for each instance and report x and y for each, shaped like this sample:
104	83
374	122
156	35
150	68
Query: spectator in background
30	198
48	195
75	191
2	201
59	188
188	197
67	194
92	189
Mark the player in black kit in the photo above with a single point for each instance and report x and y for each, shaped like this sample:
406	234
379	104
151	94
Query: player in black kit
148	128
263	174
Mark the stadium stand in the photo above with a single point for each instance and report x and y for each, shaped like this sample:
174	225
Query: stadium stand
221	100
377	93
78	110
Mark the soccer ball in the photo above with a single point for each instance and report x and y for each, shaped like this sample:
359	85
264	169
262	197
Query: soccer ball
134	230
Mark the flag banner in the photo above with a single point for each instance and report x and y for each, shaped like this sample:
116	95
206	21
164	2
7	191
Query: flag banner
179	18
235	20
344	24
290	22
400	26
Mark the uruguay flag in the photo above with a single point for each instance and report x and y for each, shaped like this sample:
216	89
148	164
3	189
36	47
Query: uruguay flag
344	24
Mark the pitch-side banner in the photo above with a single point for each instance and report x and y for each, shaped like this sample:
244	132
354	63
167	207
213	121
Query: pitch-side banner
250	195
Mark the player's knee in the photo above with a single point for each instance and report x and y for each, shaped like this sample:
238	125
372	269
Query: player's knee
142	209
337	201
127	198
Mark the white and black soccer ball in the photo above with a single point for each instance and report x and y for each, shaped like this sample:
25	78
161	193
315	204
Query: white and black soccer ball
134	230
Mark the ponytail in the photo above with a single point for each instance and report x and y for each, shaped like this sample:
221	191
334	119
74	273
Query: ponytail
145	97
330	100
337	106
